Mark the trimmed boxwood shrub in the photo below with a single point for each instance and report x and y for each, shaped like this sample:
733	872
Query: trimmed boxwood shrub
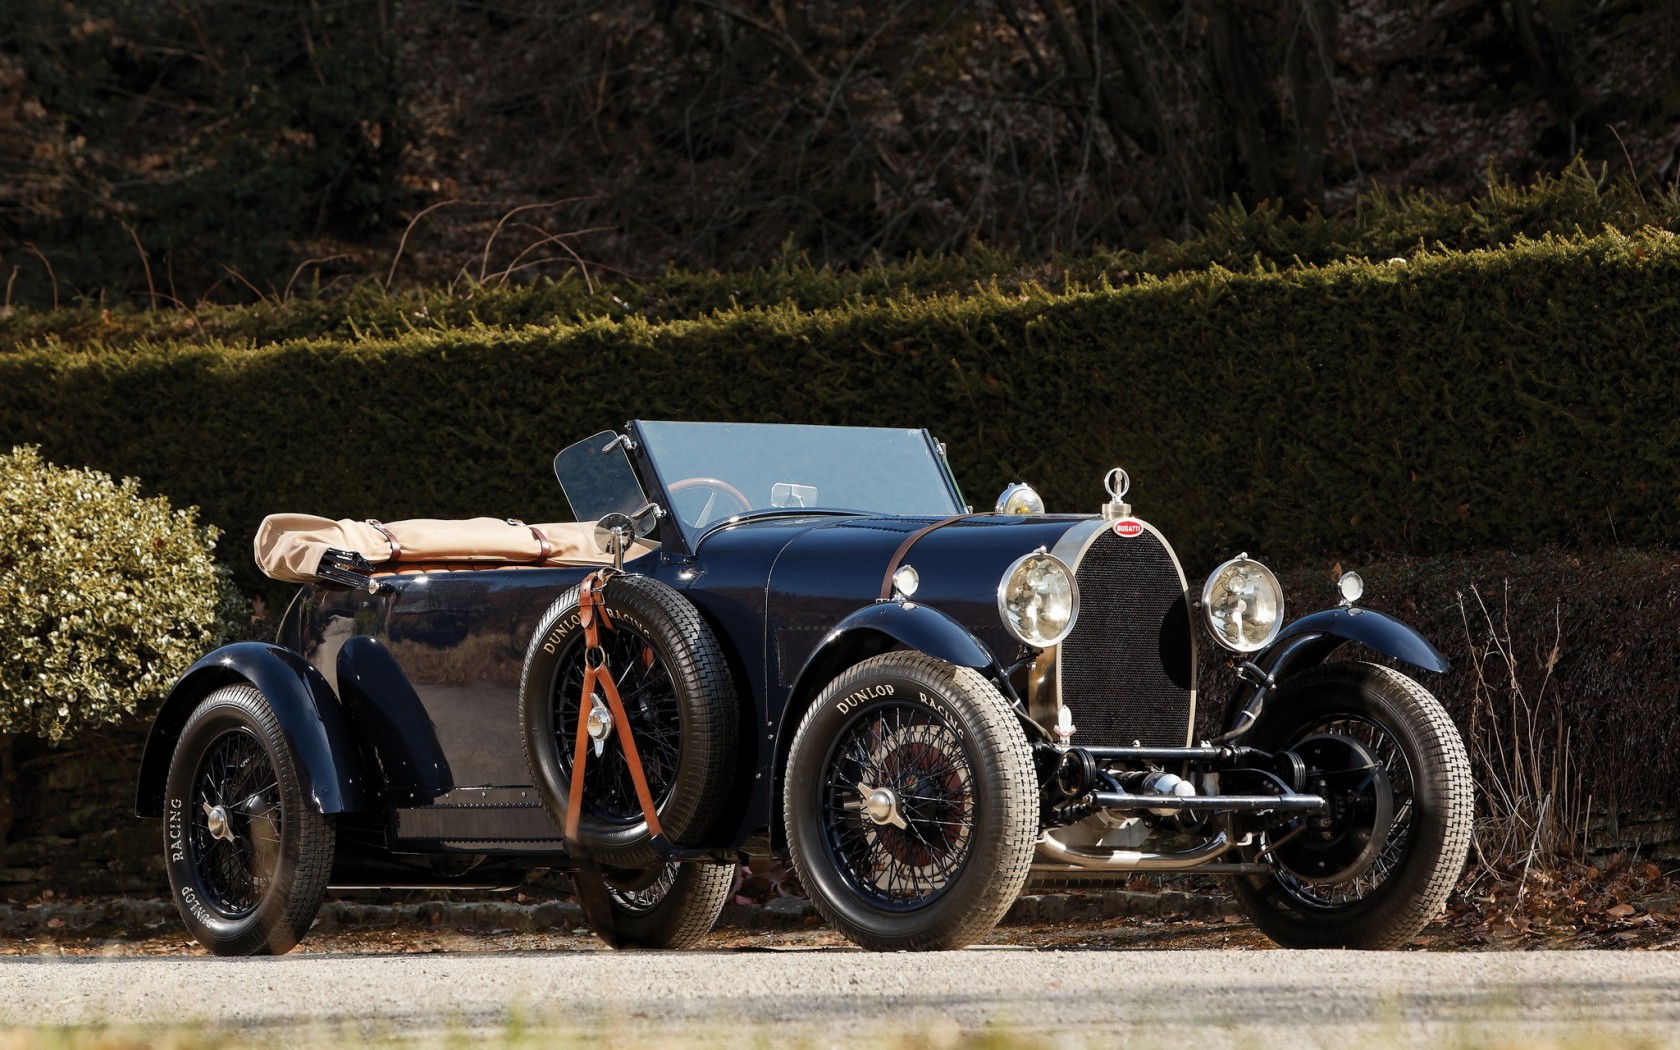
105	597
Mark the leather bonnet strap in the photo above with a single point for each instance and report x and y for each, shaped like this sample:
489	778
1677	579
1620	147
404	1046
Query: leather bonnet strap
910	541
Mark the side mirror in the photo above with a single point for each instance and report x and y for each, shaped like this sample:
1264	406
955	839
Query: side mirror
615	532
598	481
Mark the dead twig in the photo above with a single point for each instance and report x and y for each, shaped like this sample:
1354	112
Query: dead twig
29	247
403	242
551	238
145	262
484	262
258	292
287	294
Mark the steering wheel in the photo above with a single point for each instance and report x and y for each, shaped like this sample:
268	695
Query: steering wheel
717	487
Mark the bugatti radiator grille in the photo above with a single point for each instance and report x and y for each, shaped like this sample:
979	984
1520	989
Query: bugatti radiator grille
1128	668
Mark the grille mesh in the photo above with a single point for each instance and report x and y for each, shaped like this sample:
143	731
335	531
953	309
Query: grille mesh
1128	667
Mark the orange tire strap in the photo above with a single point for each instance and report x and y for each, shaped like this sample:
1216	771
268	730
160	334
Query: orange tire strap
592	616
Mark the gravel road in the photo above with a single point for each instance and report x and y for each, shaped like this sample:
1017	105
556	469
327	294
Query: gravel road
844	997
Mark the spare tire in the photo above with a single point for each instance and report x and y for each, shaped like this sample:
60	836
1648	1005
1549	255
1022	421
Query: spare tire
679	698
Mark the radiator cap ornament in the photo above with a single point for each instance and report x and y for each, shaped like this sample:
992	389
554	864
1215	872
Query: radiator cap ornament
1118	483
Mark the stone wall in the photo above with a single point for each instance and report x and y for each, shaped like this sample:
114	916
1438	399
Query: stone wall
73	828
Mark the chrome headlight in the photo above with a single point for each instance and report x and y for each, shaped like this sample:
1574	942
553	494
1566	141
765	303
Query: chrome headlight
1244	605
1038	599
905	580
1020	498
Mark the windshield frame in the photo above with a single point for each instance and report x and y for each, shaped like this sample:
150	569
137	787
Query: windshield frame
684	538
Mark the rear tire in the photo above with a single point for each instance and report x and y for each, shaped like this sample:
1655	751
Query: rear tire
248	858
679	696
1384	902
670	906
941	857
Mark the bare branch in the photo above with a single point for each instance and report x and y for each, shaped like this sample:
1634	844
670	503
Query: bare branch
287	294
401	244
31	249
484	263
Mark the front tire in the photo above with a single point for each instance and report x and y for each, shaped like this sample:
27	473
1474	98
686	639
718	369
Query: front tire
248	858
1399	881
911	804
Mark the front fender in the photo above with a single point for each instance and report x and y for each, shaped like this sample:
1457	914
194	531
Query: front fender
913	626
310	716
1310	640
871	630
1307	641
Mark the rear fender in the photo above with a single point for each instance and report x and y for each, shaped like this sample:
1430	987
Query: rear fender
307	709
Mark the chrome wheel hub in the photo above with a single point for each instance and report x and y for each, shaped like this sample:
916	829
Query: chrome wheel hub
216	820
881	804
600	725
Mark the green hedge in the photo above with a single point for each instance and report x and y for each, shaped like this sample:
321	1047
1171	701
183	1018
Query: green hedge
1383	225
1461	401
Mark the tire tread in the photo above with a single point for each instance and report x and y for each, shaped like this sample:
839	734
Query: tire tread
312	861
1412	898
1015	787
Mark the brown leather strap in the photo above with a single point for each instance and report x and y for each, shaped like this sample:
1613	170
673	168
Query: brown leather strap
390	537
547	549
593	617
910	541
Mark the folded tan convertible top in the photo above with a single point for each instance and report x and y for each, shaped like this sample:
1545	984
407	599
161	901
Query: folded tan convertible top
289	546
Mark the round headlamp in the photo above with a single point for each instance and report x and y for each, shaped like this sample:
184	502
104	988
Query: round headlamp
1038	599
1352	586
1244	605
905	580
1020	498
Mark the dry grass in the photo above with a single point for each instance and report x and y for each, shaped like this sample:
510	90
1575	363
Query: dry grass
1534	810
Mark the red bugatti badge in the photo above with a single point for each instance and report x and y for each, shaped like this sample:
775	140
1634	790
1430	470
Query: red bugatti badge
1127	528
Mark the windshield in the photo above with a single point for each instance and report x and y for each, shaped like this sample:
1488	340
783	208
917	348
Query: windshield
714	471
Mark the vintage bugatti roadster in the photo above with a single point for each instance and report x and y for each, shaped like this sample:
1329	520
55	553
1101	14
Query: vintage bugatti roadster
797	641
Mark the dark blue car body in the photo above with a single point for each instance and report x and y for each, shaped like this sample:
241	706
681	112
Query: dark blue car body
401	700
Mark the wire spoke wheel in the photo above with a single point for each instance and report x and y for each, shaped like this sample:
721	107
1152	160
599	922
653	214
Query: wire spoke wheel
248	858
910	803
668	905
1372	870
1392	764
238	824
679	699
655	713
911	752
644	896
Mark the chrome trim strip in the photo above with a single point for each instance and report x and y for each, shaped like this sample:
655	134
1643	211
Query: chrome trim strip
1125	801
